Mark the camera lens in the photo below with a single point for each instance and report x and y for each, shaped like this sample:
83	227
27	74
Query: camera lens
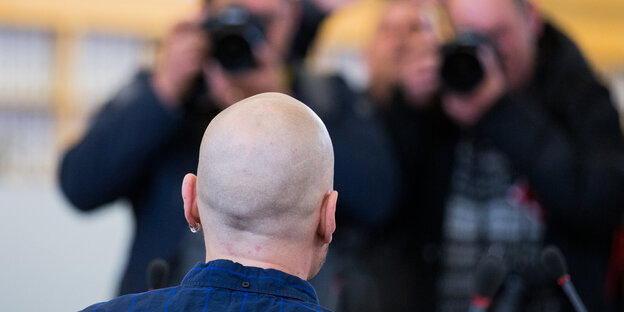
234	53
234	34
461	69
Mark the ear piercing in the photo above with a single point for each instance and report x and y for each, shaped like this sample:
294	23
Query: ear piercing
196	228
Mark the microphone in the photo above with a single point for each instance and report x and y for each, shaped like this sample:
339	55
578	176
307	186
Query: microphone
157	274
556	268
490	275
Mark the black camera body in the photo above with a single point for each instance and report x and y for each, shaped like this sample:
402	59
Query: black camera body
461	69
234	34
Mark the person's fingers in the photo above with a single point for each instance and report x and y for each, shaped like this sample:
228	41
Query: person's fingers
192	49
227	89
454	111
491	63
186	52
187	40
183	52
451	106
460	109
487	55
265	56
218	84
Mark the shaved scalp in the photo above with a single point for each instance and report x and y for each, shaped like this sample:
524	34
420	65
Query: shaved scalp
265	166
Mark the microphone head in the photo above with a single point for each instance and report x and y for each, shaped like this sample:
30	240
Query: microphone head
553	262
157	273
490	275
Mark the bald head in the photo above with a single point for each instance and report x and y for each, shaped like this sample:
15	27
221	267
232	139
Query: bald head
265	165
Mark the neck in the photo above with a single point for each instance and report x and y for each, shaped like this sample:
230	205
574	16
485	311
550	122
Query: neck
283	256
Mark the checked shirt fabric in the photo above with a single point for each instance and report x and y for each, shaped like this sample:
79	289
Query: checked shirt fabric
222	285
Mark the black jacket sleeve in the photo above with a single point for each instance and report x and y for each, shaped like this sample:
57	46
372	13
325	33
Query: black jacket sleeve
566	136
366	170
113	155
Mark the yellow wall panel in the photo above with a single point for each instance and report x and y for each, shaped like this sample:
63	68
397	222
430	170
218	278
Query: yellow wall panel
597	25
147	18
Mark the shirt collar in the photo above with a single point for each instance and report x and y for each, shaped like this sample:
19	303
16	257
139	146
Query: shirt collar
235	276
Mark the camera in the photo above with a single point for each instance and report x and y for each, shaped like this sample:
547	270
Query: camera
234	34
461	69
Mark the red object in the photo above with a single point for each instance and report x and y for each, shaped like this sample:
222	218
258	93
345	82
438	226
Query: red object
615	271
523	196
481	302
563	280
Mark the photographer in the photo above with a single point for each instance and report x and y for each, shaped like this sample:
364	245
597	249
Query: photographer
532	154
141	143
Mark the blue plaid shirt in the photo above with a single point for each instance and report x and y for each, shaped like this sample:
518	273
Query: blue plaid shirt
223	285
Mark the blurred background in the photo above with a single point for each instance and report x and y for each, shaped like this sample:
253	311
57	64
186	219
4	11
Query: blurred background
61	59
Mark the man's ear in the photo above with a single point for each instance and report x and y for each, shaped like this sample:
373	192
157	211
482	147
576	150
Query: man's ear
327	224
189	196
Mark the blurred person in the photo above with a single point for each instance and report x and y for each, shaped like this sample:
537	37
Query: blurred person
141	143
531	156
345	37
403	65
540	95
364	271
403	55
263	196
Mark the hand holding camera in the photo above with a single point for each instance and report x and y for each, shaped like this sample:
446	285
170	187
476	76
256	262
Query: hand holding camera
229	51
181	61
473	78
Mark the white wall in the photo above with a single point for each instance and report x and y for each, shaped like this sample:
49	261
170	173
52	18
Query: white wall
53	258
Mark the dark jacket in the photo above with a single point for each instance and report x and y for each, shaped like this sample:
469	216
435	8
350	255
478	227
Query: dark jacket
562	132
137	150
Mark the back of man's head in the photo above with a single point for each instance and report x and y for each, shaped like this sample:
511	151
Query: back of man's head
265	173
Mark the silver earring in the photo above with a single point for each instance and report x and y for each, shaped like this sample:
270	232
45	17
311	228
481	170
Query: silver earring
196	228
